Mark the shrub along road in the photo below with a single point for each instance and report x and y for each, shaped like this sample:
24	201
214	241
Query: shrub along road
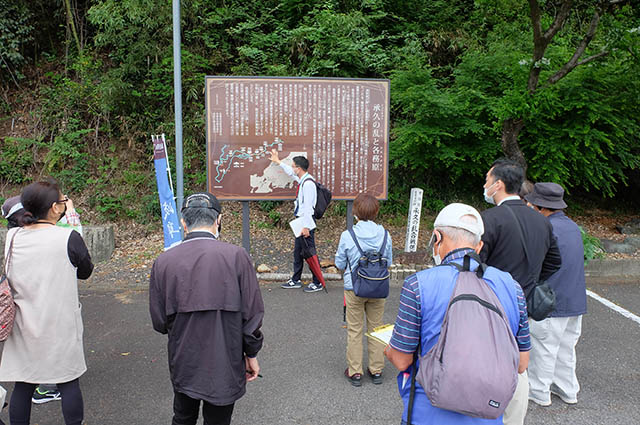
303	361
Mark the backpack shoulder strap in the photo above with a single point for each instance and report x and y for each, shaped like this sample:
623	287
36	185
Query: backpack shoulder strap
482	267
353	236
412	391
524	245
7	258
384	242
466	264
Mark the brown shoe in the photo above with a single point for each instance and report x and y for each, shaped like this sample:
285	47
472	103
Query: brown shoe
355	379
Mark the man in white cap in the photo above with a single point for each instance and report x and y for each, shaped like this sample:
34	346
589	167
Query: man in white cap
424	300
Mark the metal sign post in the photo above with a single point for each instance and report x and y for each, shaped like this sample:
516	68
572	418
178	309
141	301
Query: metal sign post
177	88
246	238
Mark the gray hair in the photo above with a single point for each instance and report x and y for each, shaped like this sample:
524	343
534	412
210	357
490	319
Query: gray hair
459	235
199	217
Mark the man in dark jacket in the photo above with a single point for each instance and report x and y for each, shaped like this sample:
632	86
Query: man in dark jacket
553	362
205	295
507	228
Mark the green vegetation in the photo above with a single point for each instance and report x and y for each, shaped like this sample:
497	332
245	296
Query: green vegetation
90	80
592	246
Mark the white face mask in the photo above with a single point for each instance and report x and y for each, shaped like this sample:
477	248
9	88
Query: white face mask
437	259
488	198
436	256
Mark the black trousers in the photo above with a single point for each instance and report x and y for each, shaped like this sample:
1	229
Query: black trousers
72	403
187	409
301	245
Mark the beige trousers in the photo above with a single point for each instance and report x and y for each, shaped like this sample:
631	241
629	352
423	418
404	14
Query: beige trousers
357	309
517	409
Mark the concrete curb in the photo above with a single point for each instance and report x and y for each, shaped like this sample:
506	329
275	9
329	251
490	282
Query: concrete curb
597	268
626	267
100	241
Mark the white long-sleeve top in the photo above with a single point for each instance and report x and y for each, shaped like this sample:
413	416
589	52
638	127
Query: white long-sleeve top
307	195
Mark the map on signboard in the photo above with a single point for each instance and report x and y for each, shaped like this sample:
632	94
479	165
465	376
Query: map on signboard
340	125
273	176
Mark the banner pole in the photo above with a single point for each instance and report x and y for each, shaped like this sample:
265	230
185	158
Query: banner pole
168	166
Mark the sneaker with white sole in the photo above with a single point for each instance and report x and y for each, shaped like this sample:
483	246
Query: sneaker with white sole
313	287
291	284
543	403
44	396
557	391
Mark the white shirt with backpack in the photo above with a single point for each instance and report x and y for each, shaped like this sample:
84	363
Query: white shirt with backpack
307	194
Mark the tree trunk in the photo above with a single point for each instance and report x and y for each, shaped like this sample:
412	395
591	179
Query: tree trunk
511	128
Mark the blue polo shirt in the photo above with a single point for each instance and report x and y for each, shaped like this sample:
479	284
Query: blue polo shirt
423	304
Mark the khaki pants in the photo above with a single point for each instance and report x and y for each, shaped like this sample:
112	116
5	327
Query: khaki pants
517	408
357	308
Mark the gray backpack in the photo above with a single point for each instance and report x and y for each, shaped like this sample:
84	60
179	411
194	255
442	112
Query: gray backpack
473	368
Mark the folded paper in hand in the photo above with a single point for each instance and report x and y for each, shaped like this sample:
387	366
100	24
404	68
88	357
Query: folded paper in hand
381	334
300	223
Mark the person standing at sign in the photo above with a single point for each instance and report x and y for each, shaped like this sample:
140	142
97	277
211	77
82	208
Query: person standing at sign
304	204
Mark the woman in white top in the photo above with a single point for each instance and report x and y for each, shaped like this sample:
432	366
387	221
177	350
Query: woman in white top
44	262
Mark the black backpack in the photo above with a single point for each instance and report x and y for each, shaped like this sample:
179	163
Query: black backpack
323	198
370	278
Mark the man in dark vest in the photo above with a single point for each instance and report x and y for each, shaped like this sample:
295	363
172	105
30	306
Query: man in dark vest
204	294
553	359
507	228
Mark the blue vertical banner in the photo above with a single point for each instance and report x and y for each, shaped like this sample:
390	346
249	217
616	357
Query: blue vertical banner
170	224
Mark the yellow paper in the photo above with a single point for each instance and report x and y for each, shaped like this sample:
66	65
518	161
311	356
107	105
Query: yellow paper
381	334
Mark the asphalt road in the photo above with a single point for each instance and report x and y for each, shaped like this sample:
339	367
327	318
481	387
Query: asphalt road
303	362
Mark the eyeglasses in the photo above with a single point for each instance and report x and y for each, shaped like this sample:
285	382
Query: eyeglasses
62	201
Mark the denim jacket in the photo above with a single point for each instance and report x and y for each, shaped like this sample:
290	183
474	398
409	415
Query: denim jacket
370	236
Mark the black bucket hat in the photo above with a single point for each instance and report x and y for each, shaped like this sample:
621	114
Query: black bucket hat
547	195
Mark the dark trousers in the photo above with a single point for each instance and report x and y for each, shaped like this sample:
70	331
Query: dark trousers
301	245
72	403
187	409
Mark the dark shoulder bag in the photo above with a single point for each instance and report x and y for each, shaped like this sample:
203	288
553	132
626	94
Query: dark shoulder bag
541	301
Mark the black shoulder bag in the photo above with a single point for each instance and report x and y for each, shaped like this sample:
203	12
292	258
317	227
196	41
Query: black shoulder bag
541	301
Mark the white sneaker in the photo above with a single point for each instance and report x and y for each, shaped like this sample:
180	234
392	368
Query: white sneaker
569	400
545	403
313	287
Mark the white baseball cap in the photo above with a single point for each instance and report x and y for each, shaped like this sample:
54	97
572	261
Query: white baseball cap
452	216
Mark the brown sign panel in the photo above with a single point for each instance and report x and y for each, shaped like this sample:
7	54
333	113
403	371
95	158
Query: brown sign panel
340	125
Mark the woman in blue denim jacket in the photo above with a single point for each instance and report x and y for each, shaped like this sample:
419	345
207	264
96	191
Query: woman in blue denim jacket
370	236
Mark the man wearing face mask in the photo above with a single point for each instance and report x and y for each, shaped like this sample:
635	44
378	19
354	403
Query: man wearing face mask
509	226
204	294
424	300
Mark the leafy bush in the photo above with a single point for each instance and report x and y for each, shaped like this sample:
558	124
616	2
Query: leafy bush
592	246
16	162
16	32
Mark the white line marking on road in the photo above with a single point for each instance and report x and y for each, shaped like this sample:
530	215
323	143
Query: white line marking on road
614	307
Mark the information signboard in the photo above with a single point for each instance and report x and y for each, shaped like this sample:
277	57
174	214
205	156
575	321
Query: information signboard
340	125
